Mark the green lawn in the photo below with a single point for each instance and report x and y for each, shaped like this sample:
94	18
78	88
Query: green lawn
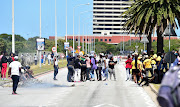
44	68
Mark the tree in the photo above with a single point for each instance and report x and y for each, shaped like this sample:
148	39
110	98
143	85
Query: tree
146	16
3	45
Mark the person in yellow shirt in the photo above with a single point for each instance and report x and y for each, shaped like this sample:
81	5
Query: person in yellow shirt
136	68
147	64
158	61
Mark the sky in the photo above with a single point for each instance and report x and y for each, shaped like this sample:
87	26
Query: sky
27	17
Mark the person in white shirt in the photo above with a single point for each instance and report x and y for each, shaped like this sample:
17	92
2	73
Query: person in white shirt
106	67
35	59
49	58
14	72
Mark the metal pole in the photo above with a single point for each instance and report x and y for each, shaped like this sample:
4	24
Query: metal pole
66	28
40	36
13	38
83	38
55	27
73	32
123	44
144	46
169	45
79	32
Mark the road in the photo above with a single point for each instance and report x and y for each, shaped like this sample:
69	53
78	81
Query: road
60	93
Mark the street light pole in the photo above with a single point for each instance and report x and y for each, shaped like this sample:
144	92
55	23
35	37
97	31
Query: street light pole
13	38
55	27
73	24
66	28
40	36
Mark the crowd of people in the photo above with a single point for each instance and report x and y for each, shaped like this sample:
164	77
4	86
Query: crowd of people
83	68
148	68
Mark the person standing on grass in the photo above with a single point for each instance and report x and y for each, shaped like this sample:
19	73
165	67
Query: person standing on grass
14	71
35	59
49	58
4	61
56	67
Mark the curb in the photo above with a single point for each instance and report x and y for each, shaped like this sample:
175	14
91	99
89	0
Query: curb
153	89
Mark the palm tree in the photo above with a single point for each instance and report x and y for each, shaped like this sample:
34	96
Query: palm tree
150	16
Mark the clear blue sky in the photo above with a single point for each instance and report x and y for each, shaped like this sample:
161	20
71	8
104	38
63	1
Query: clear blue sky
27	17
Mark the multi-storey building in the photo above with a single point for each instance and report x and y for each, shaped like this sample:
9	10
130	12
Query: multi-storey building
107	19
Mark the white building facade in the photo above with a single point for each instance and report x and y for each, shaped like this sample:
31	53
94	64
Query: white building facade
107	18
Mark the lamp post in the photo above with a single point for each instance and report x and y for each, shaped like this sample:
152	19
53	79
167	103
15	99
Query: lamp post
66	28
55	28
80	28
73	24
13	38
40	36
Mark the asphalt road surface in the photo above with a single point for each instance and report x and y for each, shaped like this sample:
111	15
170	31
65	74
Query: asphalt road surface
119	93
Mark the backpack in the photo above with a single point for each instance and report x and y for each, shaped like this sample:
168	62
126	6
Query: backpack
169	93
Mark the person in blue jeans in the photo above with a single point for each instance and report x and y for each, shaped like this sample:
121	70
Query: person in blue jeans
94	67
55	68
70	66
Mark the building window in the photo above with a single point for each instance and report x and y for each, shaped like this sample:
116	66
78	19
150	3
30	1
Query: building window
92	39
76	39
69	39
84	39
87	39
109	40
105	39
101	39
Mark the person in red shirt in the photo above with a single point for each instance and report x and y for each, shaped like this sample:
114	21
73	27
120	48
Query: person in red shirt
128	67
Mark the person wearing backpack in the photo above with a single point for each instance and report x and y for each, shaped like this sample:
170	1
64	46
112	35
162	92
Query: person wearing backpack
70	65
169	92
77	69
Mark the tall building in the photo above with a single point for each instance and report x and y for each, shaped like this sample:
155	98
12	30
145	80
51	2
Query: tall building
106	16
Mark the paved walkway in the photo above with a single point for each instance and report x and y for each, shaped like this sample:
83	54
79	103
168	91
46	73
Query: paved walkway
60	93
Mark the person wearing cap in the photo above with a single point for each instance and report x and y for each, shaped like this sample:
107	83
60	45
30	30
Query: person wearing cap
147	63
14	72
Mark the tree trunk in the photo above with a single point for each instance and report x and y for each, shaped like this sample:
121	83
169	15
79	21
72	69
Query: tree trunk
149	45
160	42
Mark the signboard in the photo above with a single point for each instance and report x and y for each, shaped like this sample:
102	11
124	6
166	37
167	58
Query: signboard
79	47
66	45
40	44
54	49
144	39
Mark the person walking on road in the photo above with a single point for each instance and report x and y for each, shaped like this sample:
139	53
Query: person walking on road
83	69
2	53
14	71
128	67
52	58
111	68
56	67
4	61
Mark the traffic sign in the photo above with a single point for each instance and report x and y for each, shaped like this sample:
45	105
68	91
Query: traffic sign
54	49
144	40
79	47
66	45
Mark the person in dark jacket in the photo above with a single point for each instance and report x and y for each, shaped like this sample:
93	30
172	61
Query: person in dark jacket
70	65
4	61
